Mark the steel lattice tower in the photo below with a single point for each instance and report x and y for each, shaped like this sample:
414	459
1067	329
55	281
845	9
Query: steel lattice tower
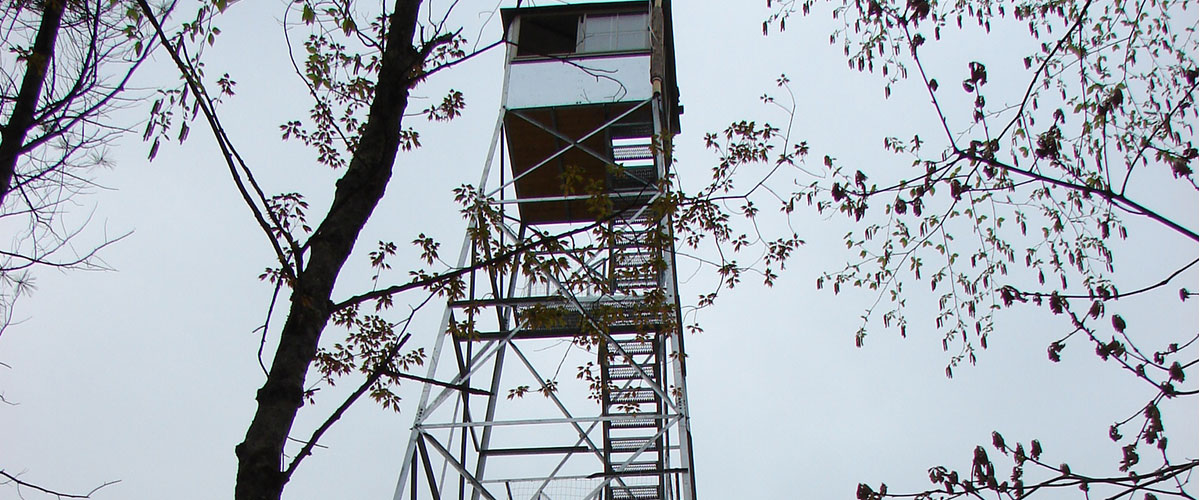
560	372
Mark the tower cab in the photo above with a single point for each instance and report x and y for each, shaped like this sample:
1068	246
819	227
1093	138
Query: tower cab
580	109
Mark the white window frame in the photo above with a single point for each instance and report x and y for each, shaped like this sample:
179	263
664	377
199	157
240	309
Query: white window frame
614	32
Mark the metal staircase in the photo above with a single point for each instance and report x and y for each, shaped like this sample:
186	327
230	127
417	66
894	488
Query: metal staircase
634	446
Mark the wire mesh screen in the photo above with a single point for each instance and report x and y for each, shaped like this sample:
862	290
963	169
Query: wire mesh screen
556	489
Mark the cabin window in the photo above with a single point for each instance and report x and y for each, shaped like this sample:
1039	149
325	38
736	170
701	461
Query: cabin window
564	34
621	32
548	35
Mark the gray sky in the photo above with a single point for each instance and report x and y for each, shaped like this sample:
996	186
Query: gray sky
147	374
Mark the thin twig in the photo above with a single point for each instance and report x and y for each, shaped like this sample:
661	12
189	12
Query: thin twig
52	492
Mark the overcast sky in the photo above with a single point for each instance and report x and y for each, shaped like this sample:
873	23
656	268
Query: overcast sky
147	374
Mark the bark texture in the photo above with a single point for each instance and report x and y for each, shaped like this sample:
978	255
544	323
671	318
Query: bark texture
260	469
12	137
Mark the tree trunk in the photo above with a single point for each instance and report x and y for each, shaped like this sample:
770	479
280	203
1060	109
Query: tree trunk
12	137
260	473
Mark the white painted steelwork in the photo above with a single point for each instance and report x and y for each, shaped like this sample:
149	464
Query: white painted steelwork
513	419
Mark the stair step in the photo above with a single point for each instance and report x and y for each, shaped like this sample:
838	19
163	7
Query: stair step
631	286
636	281
635	249
631	444
636	347
632	395
637	272
634	261
634	422
632	235
628	372
635	267
642	466
649	281
639	245
636	492
634	151
631	215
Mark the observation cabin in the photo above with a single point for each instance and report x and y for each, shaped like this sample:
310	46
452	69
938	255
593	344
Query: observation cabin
590	89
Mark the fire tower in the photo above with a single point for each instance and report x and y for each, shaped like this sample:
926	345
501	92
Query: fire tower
559	374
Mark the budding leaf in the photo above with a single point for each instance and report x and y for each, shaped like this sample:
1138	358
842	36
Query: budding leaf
998	442
1176	371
